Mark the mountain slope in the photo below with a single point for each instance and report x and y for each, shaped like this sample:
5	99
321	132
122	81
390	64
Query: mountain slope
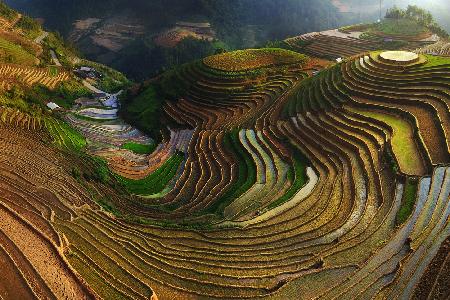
124	34
277	175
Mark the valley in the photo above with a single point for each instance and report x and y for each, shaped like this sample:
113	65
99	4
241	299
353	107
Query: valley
319	168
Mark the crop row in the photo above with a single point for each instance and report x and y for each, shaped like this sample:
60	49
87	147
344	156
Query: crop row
30	75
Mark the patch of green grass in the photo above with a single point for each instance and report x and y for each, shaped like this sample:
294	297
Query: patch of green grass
53	71
13	53
401	26
297	175
403	144
408	201
64	94
434	61
30	27
155	182
108	205
140	148
64	136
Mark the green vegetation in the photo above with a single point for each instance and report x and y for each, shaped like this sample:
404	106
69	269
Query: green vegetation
64	50
155	182
6	12
389	159
30	27
400	27
410	21
403	145
33	99
296	175
243	60
140	148
408	201
92	169
246	173
64	136
434	61
13	53
53	71
172	86
144	110
238	24
101	172
64	94
18	98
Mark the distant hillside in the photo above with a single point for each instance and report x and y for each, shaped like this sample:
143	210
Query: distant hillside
122	33
36	66
357	11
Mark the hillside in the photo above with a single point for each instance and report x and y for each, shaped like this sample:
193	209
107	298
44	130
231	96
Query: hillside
361	11
141	38
265	173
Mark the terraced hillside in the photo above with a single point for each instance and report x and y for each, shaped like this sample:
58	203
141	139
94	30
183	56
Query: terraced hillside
271	185
264	174
396	31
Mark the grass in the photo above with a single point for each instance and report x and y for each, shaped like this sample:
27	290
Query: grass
29	26
297	175
243	60
13	53
64	136
246	174
155	182
53	71
404	26
403	144
433	61
140	148
408	201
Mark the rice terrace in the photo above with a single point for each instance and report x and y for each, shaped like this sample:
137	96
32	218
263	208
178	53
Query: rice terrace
317	167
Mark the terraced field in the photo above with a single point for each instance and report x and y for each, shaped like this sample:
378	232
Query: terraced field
403	34
11	74
268	183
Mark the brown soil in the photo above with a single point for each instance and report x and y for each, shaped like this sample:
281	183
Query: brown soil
435	282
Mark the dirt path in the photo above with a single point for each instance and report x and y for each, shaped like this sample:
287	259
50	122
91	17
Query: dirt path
41	38
55	58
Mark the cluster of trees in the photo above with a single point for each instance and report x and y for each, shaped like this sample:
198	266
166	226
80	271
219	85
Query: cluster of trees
420	15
